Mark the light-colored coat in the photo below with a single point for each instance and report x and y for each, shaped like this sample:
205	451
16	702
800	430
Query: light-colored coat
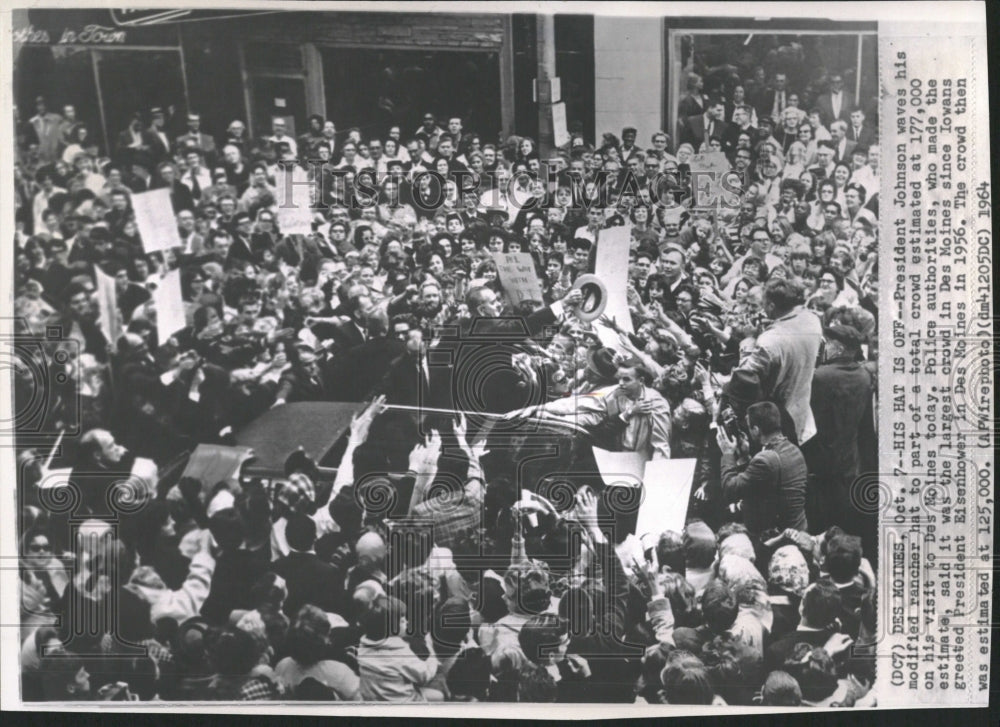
391	672
785	360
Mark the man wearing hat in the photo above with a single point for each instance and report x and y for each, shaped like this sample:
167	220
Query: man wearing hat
197	139
496	217
155	138
600	372
842	390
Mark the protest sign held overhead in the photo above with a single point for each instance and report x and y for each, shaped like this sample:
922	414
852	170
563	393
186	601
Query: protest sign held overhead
154	216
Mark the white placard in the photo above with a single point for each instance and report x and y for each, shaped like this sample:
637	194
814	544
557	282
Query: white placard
110	319
293	212
560	131
667	484
611	266
620	468
154	216
169	305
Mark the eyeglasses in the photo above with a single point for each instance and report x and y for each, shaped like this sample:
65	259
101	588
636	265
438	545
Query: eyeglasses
39	548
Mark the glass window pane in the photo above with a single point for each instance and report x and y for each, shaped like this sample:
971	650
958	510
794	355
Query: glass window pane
138	80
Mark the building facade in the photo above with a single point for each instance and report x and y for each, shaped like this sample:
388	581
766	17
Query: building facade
375	70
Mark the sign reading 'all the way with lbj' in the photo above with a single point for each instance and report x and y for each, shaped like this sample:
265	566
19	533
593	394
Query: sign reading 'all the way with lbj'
516	271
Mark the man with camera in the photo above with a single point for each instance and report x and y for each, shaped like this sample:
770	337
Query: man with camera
772	486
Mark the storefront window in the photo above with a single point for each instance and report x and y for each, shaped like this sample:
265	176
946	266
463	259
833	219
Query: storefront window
133	80
130	80
63	75
807	59
374	90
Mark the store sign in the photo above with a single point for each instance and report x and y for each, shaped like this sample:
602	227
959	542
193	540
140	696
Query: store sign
135	18
92	34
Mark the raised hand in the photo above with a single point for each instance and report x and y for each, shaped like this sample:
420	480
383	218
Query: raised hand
726	443
362	421
425	456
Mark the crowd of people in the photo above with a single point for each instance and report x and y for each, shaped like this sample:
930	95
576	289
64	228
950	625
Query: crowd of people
443	560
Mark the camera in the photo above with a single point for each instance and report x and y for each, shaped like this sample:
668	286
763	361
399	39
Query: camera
729	422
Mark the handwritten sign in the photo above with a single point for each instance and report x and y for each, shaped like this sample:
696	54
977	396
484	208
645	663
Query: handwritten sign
154	216
518	277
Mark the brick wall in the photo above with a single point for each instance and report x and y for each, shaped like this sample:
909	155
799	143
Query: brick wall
374	29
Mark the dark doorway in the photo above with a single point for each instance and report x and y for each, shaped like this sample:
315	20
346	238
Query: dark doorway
375	89
278	96
137	80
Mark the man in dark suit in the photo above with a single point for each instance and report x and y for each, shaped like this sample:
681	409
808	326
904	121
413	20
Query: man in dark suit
359	370
306	380
842	391
480	374
310	580
772	101
857	131
155	137
835	103
411	381
772	486
842	146
821	606
699	129
354	332
740	125
241	248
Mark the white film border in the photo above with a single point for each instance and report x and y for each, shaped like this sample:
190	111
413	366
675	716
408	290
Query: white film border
935	369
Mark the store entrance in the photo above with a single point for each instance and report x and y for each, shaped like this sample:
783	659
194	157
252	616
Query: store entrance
375	89
277	96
